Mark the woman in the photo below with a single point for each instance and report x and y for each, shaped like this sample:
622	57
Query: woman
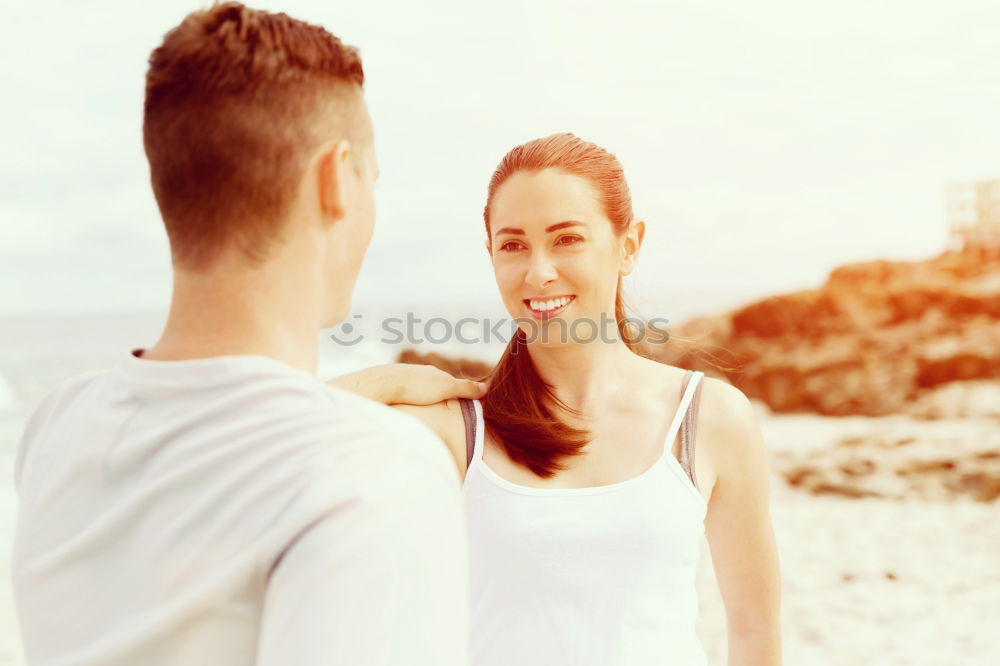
585	512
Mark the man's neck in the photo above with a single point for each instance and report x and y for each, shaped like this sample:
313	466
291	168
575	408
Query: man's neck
264	312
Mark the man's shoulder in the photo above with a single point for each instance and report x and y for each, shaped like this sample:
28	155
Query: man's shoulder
361	453
50	403
71	387
62	393
385	430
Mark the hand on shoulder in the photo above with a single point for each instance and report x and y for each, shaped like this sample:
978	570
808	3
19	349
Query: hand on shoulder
407	383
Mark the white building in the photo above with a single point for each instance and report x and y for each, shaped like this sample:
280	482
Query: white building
974	215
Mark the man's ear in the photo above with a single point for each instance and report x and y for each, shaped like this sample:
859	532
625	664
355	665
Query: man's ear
333	162
630	247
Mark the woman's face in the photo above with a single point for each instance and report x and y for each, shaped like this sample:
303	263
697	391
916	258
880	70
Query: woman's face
556	257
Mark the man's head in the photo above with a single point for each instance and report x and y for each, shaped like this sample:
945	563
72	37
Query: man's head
258	137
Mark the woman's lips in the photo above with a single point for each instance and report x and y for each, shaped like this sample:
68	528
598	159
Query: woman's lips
547	314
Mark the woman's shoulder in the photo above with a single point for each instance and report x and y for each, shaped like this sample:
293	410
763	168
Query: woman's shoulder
718	397
728	428
726	418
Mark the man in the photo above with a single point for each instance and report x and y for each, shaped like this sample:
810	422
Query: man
208	500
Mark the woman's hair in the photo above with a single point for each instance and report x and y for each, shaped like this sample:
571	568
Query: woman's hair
520	408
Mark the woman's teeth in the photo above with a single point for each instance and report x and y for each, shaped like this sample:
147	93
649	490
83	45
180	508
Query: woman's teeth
543	306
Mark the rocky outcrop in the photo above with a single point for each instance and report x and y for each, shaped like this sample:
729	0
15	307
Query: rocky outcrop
872	339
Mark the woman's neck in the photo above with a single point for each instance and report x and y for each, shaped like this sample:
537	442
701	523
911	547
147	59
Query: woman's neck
584	374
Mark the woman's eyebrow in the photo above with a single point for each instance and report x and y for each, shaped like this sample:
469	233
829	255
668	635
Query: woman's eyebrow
563	225
548	230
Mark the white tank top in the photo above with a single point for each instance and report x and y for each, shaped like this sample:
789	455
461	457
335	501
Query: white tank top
601	576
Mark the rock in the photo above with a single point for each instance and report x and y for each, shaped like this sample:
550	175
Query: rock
874	338
830	488
796	476
858	467
984	486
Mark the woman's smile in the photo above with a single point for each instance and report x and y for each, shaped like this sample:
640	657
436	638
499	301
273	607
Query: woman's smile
546	308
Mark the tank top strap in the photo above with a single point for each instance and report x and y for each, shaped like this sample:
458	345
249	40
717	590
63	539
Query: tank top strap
687	427
472	414
687	392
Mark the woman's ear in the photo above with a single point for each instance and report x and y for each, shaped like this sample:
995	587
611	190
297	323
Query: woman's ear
631	244
489	248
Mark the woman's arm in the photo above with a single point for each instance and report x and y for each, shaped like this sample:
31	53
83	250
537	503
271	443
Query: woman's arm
738	527
409	384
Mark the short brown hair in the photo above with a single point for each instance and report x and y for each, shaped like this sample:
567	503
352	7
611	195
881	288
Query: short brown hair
235	103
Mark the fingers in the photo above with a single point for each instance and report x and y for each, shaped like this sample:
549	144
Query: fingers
426	385
467	388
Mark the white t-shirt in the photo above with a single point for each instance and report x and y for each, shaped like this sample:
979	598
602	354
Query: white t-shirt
234	510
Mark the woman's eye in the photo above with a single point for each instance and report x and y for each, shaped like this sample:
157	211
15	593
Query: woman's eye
568	240
510	246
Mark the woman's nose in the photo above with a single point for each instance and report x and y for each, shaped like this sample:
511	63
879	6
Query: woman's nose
541	271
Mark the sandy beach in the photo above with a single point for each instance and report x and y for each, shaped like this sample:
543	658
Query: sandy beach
909	582
890	582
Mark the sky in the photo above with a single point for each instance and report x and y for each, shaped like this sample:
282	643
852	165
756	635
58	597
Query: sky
765	143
